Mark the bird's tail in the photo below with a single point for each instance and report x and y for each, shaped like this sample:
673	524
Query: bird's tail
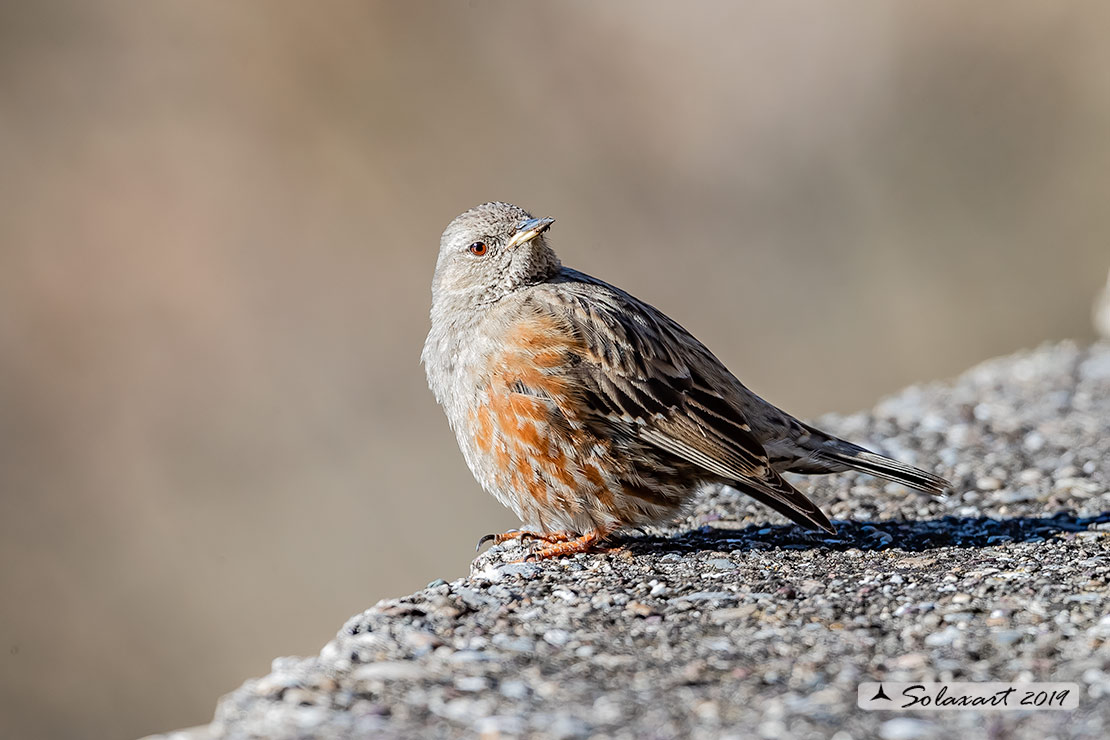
841	453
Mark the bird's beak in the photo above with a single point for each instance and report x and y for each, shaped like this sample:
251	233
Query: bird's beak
529	230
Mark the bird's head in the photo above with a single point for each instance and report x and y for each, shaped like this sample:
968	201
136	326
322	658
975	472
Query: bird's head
490	251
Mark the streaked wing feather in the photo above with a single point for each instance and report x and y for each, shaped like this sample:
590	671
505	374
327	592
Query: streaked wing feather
790	502
658	391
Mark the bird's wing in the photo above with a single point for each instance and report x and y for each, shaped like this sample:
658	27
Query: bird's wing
640	373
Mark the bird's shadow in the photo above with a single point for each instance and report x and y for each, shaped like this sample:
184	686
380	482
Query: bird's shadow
901	534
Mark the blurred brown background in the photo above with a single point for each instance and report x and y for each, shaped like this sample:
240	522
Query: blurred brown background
218	223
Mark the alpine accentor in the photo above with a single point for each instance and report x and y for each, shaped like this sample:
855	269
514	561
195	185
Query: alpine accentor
584	409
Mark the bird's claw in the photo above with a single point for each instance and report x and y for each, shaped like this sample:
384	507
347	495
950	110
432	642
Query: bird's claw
525	536
498	539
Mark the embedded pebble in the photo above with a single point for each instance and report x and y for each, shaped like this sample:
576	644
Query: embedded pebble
907	728
558	638
988	483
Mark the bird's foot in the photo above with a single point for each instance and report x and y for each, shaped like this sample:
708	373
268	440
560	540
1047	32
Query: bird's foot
572	545
550	538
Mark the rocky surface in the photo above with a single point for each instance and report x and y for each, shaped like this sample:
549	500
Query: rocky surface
731	624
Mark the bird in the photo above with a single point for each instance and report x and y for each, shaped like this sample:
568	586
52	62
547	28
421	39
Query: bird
585	410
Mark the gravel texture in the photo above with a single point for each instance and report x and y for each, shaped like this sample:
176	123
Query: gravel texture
731	624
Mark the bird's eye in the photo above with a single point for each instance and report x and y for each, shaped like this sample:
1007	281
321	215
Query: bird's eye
478	248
